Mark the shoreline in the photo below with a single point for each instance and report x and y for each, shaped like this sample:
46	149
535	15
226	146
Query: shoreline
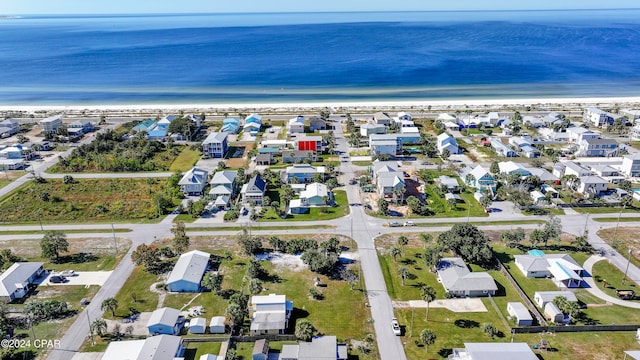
419	104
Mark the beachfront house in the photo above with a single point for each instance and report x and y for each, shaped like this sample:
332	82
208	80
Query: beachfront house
599	147
253	124
253	191
295	125
188	271
597	117
18	279
215	145
166	321
458	280
194	181
51	124
230	125
381	118
161	347
317	123
269	314
9	127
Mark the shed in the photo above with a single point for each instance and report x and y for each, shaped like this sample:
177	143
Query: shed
520	312
260	350
217	325
165	321
552	313
208	357
198	325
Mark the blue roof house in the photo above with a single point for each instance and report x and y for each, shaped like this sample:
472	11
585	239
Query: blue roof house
188	271
231	125
145	125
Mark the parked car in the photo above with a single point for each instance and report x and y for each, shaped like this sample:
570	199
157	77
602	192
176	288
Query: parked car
626	294
57	279
84	302
67	273
409	223
396	327
394	224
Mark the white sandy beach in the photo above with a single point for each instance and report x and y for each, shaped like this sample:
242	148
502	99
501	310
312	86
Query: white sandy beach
362	105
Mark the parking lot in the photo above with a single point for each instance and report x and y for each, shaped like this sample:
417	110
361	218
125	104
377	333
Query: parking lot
85	278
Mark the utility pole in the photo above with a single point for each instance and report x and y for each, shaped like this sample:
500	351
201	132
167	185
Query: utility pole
90	332
115	242
615	233
411	328
586	222
627	268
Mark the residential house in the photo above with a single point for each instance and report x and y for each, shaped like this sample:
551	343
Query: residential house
295	125
632	354
412	131
608	173
253	124
279	144
447	142
269	314
51	124
537	197
264	159
16	281
382	146
457	280
223	184
537	264
510	167
389	183
303	172
9	127
161	347
542	298
84	126
11	164
544	175
194	181
572	168
188	271
599	147
631	114
215	145
452	125
592	185
631	165
634	132
381	118
519	141
315	194
494	351
448	183
217	325
502	149
532	121
253	191
160	131
480	179
520	313
260	350
552	119
320	348
298	156
578	133
407	138
165	321
230	125
597	117
529	152
444	117
317	123
145	125
553	314
548	189
309	143
369	128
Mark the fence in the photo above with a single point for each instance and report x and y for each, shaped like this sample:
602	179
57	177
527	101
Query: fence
527	302
573	328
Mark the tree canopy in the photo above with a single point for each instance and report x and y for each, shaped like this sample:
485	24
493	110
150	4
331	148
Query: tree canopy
53	243
468	242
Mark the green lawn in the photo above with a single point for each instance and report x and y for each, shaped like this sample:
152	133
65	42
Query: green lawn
186	160
257	226
7	176
616	219
90	200
362	163
315	213
605	210
138	283
602	271
194	350
483	223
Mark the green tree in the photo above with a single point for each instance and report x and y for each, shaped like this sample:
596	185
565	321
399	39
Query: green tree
467	241
512	238
68	179
304	330
99	326
426	239
180	238
404	273
255	286
581	243
383	207
212	281
428	294
432	257
452	203
53	243
552	229
349	276
428	337
402	241
486	202
255	269
536	237
395	252
495	168
236	313
110	304
446	154
489	330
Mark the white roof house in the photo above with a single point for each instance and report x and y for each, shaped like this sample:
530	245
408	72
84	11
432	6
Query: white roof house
164	321
161	347
541	298
542	174
188	271
494	351
194	181
565	271
592	185
269	314
14	281
520	313
510	167
537	196
198	325
445	141
296	125
458	280
320	348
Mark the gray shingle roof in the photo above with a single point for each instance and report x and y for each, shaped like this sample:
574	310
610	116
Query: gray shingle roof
456	276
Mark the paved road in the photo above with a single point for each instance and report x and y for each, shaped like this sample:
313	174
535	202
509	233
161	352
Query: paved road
595	290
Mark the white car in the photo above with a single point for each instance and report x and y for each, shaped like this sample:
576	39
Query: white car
68	273
409	223
396	327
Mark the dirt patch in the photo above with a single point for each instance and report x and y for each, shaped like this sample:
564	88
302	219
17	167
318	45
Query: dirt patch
284	261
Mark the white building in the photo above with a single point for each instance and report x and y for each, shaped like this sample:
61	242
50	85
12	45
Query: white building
445	141
194	181
51	124
631	165
295	125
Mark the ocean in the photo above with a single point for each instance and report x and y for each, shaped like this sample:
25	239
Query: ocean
316	57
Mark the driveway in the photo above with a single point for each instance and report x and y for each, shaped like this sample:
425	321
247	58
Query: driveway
82	278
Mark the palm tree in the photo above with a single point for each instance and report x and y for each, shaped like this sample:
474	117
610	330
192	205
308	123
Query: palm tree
402	241
426	239
428	337
489	329
304	330
99	326
395	251
428	294
110	304
404	274
451	203
255	286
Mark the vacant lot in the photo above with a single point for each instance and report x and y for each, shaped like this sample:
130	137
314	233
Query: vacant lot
185	161
7	176
84	200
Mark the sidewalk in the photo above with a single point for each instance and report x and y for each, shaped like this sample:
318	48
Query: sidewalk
594	290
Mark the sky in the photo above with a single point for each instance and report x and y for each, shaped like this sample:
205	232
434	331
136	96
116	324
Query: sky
19	7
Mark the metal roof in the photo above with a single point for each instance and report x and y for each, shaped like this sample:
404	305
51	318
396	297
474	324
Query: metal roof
190	267
164	316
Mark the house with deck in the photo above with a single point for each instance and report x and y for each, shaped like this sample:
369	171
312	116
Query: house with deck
223	185
447	142
215	145
253	191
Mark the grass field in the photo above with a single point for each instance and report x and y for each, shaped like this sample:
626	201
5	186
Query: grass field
85	200
315	213
194	350
7	176
138	283
622	240
186	160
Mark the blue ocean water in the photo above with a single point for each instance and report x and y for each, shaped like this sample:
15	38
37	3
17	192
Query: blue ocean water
222	58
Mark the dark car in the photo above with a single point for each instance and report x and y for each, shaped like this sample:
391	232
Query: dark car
56	279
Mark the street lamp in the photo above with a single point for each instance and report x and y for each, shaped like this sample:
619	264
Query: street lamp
627	268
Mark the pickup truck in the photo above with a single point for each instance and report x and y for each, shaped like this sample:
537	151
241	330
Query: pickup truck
395	224
626	294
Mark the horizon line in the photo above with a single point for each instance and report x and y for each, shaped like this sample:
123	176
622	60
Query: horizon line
314	12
